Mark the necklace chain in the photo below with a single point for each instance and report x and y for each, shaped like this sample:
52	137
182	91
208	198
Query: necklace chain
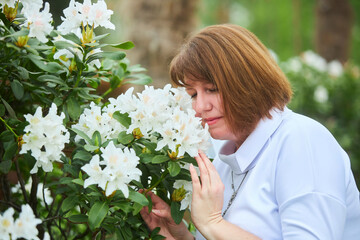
233	196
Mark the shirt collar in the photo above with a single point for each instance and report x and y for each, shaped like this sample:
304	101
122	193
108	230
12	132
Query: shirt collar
244	158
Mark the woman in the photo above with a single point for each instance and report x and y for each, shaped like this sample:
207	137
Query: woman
280	175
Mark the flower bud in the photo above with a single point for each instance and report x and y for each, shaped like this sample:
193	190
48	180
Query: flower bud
87	34
137	133
178	194
10	13
22	41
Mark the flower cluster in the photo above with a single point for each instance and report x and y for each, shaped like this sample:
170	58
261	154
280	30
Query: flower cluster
94	119
24	227
311	59
87	13
45	137
167	112
120	169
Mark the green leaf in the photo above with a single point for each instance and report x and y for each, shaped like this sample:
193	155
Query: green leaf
91	148
2	110
146	157
94	56
73	108
97	214
125	138
123	118
52	79
17	88
81	134
124	206
78	181
6	136
125	45
114	82
10	151
138	198
99	37
23	73
22	32
174	168
9	109
189	160
114	55
78	218
82	155
5	166
96	138
139	79
136	208
63	44
72	37
69	203
176	214
51	67
160	159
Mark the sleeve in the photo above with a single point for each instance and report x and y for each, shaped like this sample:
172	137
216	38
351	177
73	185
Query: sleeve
311	184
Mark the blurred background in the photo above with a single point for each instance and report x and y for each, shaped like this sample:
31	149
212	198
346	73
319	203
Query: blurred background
316	43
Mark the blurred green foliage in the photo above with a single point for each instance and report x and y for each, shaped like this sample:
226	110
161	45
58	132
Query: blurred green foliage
284	26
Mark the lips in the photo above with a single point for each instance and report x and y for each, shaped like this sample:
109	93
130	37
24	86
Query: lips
211	121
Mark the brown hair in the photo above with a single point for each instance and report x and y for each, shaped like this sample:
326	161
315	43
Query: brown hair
248	79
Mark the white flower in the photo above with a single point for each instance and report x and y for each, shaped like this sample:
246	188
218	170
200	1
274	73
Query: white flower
335	68
186	202
93	119
31	4
321	94
25	225
72	21
121	167
96	174
85	11
101	15
39	22
39	193
10	3
314	60
7	224
45	137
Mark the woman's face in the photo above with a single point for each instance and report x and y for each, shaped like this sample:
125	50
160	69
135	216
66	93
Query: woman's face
207	103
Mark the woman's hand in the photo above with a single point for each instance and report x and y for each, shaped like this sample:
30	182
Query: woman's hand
207	202
160	216
208	196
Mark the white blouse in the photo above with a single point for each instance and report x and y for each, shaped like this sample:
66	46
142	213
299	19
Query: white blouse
299	183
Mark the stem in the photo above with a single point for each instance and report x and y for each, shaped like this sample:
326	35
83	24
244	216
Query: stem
107	92
163	175
21	180
8	127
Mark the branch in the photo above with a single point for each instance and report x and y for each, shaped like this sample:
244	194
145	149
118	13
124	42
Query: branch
21	180
11	204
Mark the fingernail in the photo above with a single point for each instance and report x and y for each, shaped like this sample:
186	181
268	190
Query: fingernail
156	211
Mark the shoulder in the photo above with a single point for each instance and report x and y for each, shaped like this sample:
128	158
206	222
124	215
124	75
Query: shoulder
309	159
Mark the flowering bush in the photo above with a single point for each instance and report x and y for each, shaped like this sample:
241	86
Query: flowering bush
330	93
72	161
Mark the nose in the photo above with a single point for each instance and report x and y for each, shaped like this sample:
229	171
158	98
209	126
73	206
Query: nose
201	104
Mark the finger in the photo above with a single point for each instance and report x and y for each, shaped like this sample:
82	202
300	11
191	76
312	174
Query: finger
213	174
195	180
204	173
